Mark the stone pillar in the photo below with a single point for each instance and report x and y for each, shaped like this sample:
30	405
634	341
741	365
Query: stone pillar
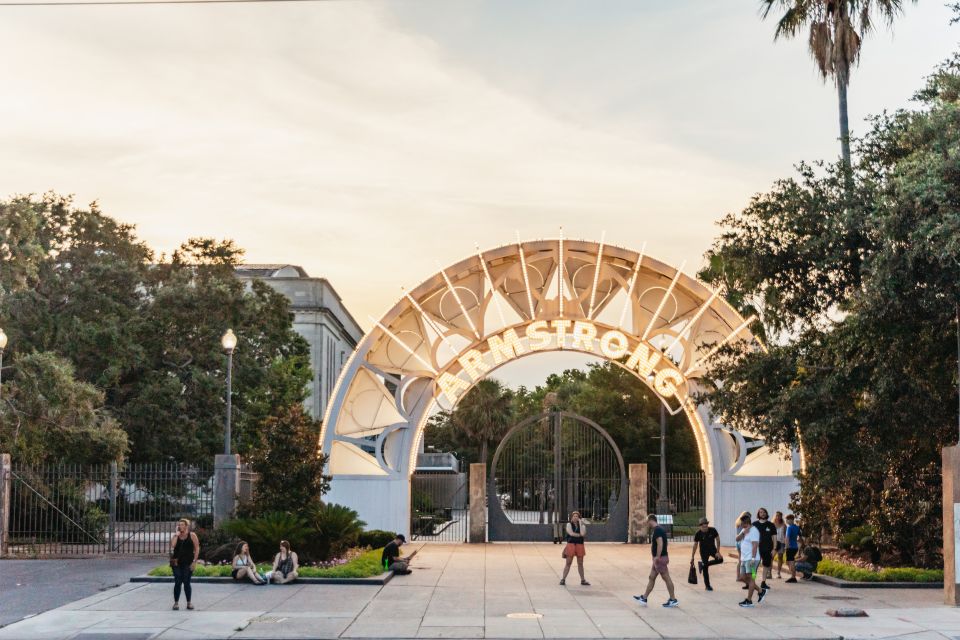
478	503
637	495
6	482
951	525
226	486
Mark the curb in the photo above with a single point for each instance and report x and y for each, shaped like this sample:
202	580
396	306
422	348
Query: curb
382	579
849	584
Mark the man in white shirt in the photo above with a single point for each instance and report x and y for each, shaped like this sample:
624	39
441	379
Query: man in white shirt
749	560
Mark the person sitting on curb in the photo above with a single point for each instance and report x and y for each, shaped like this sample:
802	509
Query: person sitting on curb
811	557
391	559
244	567
285	565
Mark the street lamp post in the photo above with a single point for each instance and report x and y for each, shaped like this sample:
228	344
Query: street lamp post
663	503
3	345
229	343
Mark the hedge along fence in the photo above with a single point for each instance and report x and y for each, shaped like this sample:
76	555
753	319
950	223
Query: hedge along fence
849	572
366	565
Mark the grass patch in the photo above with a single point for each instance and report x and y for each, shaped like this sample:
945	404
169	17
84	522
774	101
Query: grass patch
365	565
845	571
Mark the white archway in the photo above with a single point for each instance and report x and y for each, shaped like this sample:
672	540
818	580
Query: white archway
517	300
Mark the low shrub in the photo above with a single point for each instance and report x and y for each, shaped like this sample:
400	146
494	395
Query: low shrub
845	571
375	538
264	534
365	565
216	545
338	529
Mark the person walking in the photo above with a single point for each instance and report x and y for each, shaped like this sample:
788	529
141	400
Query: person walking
749	560
740	532
768	533
184	551
576	532
658	545
781	541
707	539
794	537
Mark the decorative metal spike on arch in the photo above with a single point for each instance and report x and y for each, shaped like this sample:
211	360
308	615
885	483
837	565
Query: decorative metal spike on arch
515	301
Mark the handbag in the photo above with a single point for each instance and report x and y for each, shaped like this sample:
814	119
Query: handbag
692	576
174	562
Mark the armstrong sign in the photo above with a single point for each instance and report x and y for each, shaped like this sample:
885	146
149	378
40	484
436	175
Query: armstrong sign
642	358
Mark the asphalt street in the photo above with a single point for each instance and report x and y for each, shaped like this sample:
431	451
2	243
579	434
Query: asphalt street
29	587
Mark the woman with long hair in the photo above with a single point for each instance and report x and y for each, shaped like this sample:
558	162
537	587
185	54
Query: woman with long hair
285	565
576	531
243	565
184	551
780	549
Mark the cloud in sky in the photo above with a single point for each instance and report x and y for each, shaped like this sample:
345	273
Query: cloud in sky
369	142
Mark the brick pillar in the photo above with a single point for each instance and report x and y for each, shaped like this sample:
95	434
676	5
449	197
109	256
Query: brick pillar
226	486
6	480
478	503
951	525
637	514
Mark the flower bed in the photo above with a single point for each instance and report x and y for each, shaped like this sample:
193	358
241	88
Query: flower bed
845	571
364	564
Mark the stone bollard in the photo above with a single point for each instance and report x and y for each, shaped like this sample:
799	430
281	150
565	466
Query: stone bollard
637	514
226	486
478	503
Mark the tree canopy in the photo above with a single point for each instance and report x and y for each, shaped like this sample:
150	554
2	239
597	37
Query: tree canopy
140	332
859	290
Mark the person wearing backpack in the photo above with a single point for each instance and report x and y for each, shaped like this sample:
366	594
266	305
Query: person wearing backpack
811	558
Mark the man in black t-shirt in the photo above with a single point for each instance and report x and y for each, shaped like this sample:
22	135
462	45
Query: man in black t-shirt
768	534
658	544
707	539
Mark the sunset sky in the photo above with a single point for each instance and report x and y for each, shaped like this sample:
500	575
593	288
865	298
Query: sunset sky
371	142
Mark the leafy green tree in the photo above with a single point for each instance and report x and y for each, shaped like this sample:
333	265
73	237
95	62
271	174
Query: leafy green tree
484	414
290	468
146	331
860	291
48	416
835	30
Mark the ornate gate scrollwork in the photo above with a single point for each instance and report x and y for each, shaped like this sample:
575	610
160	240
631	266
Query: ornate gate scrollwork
552	464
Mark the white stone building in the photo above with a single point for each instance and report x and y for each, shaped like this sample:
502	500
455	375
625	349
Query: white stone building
320	317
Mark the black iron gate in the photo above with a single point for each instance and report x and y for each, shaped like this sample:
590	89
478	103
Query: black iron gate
548	466
439	507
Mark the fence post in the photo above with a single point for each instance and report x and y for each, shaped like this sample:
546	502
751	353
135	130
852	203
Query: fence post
478	502
112	540
226	485
6	480
637	492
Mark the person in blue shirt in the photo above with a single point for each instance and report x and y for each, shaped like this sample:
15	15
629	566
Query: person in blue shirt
794	536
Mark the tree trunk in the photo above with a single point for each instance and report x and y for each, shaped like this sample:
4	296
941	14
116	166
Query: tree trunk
842	80
483	452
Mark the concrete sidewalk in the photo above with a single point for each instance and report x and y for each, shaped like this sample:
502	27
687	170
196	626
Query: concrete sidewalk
470	591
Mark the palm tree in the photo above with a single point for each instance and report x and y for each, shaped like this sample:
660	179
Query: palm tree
836	32
485	413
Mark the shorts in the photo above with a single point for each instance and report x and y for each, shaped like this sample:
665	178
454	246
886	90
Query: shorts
575	550
779	548
748	567
792	554
660	565
766	557
233	574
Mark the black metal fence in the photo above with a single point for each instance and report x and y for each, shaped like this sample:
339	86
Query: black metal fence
440	507
82	509
686	494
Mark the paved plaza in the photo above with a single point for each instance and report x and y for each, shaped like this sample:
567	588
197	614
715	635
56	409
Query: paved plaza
469	591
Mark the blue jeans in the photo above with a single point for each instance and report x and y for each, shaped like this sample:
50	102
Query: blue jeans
181	576
806	568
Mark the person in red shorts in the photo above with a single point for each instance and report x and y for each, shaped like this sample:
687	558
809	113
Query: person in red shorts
576	533
658	544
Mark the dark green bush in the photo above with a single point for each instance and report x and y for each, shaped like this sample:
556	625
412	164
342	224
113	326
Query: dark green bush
338	528
216	545
264	534
845	571
375	538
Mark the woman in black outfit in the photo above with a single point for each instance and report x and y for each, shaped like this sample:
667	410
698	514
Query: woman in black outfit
184	551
